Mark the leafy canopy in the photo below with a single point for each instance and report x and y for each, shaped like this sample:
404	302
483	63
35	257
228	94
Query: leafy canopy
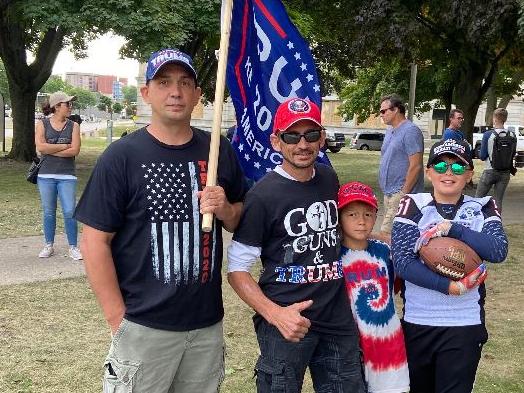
459	44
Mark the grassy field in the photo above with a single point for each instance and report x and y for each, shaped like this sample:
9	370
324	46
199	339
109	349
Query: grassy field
53	337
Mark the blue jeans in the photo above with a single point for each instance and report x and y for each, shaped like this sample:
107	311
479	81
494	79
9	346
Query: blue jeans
334	362
65	189
498	179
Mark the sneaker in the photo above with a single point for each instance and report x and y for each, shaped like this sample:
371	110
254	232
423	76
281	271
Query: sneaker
74	253
47	251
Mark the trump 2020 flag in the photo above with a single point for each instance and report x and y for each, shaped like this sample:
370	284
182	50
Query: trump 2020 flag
268	63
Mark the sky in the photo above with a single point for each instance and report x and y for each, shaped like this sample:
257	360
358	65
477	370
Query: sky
103	58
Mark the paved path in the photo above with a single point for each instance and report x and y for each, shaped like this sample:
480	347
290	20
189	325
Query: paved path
19	262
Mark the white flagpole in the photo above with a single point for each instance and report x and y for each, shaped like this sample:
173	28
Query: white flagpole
207	221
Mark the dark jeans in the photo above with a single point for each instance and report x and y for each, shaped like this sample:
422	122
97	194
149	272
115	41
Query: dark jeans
492	178
334	362
443	359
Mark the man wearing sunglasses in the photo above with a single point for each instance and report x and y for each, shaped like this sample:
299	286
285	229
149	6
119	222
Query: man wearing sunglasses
444	326
290	221
400	169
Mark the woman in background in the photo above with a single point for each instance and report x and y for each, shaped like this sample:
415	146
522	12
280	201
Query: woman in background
58	140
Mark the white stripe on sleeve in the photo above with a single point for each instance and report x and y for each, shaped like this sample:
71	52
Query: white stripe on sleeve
241	257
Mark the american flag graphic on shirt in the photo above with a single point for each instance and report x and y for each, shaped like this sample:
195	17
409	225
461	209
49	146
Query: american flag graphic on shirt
172	203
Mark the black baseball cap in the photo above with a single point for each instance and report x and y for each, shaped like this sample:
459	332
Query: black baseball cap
459	149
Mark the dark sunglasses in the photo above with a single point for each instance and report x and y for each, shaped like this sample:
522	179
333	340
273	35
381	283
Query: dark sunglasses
456	168
292	138
382	111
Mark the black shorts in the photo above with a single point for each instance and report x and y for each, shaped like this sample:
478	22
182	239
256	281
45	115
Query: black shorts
443	359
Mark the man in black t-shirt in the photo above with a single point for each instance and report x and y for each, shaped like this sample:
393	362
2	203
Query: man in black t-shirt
289	220
156	275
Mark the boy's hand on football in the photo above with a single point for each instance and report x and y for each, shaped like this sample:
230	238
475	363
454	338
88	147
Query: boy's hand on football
472	280
439	230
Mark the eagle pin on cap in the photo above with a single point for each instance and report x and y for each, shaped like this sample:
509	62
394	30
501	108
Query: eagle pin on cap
294	110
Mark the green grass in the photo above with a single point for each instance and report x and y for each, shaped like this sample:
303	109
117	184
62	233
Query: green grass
53	337
117	130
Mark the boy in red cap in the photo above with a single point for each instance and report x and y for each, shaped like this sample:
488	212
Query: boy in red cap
290	221
368	272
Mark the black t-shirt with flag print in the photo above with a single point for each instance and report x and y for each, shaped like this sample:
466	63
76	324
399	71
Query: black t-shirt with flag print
145	192
295	224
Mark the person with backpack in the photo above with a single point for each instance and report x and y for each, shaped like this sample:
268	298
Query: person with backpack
497	150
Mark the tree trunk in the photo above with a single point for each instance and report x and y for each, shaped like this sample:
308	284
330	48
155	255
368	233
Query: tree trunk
491	105
25	79
23	105
470	87
448	100
504	101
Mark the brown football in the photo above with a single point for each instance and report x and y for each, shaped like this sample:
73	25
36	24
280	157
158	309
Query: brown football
450	257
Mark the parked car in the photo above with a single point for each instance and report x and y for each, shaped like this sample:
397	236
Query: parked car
367	140
335	141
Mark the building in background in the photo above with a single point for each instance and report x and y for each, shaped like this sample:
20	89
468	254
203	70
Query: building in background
108	85
105	84
83	80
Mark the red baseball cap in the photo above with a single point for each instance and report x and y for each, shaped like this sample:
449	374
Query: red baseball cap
356	191
294	110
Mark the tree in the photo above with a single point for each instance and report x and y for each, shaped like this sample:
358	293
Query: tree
130	99
361	96
4	87
192	26
55	83
105	104
130	110
84	98
464	41
45	28
130	93
117	107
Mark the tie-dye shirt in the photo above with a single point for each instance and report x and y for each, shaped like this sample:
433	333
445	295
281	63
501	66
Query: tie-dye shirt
369	278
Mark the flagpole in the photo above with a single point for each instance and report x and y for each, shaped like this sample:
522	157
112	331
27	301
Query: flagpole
207	220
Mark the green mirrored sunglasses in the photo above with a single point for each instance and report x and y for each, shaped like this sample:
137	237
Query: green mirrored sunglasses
456	167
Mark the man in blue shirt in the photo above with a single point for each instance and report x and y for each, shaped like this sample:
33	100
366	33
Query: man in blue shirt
401	170
456	118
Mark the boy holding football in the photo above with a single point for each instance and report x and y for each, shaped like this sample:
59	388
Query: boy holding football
369	276
443	322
